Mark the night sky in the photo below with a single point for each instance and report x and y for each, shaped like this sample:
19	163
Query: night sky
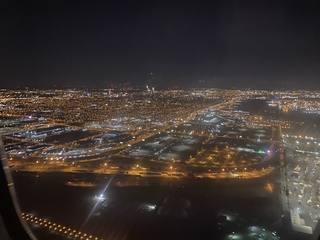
221	43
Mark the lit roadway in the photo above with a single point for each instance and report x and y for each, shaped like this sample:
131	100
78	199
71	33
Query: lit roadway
57	228
224	136
137	171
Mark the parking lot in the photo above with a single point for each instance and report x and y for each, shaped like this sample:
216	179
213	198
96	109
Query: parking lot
301	185
236	152
168	147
